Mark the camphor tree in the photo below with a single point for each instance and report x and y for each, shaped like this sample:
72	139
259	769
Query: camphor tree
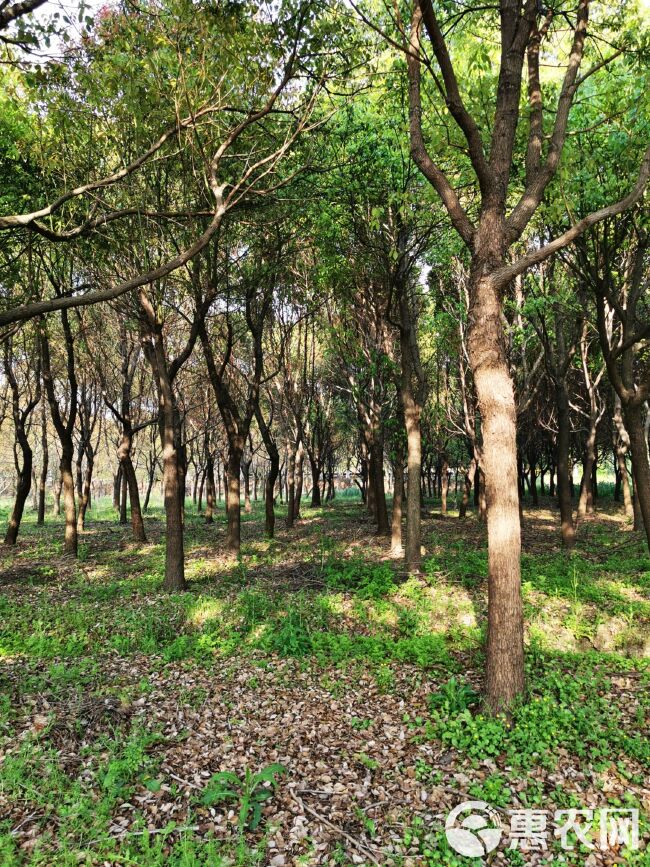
492	221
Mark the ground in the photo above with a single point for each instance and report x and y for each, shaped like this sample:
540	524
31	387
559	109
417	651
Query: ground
133	723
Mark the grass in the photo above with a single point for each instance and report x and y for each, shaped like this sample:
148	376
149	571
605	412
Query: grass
325	598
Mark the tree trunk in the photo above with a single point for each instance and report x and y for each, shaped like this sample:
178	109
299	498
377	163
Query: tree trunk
173	494
532	461
124	490
150	482
269	494
413	554
291	485
44	467
482	497
444	484
621	448
467	488
69	506
640	467
209	490
233	532
315	487
137	521
300	465
563	478
199	505
56	497
23	487
487	353
84	499
117	486
398	497
585	502
377	478
246	468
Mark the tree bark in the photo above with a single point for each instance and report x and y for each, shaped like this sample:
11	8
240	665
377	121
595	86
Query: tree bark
124	489
487	353
128	472
377	478
315	486
44	468
233	531
640	467
467	488
398	498
23	488
291	484
63	428
300	466
56	496
444	484
84	499
209	490
563	457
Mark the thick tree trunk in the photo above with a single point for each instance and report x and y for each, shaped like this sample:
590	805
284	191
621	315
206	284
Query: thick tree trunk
377	478
300	466
117	487
625	484
233	531
640	466
586	501
42	481
487	353
444	484
621	448
199	504
173	495
84	499
291	484
137	521
269	494
173	480
398	498
315	487
413	554
246	468
69	506
23	487
467	489
124	490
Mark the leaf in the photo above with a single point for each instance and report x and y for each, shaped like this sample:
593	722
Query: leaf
268	774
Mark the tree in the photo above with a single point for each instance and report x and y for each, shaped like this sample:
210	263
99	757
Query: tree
27	391
489	238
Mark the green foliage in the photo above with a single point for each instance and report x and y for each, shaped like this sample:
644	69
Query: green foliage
563	712
115	609
453	697
365	580
249	793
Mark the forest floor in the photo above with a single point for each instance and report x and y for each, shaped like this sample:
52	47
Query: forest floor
133	723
